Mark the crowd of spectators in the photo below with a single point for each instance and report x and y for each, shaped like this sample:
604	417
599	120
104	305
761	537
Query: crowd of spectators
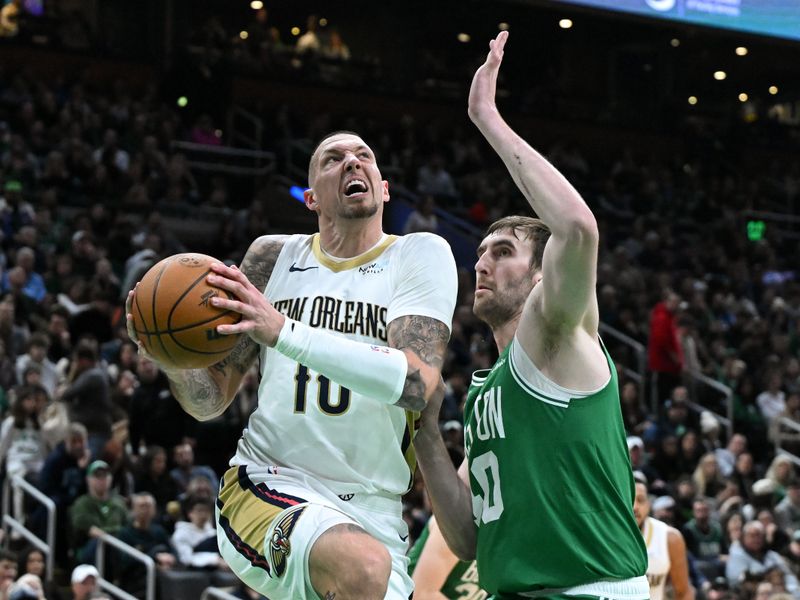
86	175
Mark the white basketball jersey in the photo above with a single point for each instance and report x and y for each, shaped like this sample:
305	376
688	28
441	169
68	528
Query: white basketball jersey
655	538
351	443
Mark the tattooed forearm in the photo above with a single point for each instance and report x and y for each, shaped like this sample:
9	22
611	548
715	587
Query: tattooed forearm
413	396
424	336
197	393
260	259
240	358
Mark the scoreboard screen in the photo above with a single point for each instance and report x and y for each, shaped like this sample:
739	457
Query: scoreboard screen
778	18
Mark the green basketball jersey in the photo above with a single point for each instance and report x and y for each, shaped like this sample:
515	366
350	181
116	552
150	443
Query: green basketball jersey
551	482
461	583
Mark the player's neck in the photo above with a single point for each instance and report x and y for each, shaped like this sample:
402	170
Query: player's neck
504	333
347	242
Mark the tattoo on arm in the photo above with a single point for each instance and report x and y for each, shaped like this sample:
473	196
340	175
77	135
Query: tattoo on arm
260	259
330	596
198	394
241	357
425	337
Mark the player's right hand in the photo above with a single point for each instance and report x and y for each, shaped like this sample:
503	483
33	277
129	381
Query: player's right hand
484	82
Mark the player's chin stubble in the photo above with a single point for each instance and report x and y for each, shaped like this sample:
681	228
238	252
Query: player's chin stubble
502	306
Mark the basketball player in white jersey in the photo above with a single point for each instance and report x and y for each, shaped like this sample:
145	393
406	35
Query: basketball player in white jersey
350	326
666	551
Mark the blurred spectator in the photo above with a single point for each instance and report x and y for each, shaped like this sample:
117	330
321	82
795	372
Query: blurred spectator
204	132
744	475
787	512
726	457
13	336
32	561
772	401
708	481
751	556
147	537
9	18
32	283
185	469
22	449
335	48
94	320
88	396
38	347
195	540
154	478
84	582
434	180
664	354
781	472
95	512
422	218
110	153
63	480
309	42
639	460
704	539
27	587
156	418
8	570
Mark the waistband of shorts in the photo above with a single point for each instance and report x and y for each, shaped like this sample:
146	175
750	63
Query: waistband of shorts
635	588
390	504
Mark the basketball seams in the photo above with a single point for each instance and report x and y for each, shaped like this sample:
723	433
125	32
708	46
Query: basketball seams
155	318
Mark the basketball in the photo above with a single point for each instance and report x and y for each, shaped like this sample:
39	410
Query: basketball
172	315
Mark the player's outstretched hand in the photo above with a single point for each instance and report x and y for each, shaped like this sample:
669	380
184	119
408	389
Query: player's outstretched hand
260	320
484	83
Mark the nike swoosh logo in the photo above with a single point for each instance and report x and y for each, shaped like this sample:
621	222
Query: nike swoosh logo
403	538
292	269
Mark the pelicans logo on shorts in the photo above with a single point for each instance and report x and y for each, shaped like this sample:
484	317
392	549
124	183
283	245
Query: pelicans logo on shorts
279	545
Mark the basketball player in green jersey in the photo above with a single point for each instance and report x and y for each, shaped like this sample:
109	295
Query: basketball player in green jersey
544	498
437	572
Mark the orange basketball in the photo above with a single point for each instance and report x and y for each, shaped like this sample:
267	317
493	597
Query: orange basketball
173	317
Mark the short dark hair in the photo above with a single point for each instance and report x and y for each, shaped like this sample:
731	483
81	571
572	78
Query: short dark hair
193	500
530	228
311	161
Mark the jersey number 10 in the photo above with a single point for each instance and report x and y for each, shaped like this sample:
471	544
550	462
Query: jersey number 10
302	377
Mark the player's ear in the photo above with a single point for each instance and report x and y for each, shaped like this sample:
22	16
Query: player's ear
309	199
537	276
385	185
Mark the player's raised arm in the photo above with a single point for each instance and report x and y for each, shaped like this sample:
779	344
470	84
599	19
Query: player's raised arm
569	265
206	393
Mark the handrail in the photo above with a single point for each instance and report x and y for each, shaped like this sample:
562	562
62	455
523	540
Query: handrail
215	592
723	389
229	150
640	351
47	547
149	564
778	438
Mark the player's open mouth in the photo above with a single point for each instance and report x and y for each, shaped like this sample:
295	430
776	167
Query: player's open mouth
355	188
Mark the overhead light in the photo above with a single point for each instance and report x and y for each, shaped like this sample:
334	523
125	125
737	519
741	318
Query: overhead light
502	26
720	75
743	97
323	22
183	101
692	100
463	38
256	5
295	31
741	51
565	23
244	35
674	42
773	89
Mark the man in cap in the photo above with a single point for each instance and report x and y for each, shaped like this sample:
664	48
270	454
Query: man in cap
96	512
84	581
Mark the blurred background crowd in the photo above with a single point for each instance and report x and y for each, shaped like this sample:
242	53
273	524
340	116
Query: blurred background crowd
114	154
